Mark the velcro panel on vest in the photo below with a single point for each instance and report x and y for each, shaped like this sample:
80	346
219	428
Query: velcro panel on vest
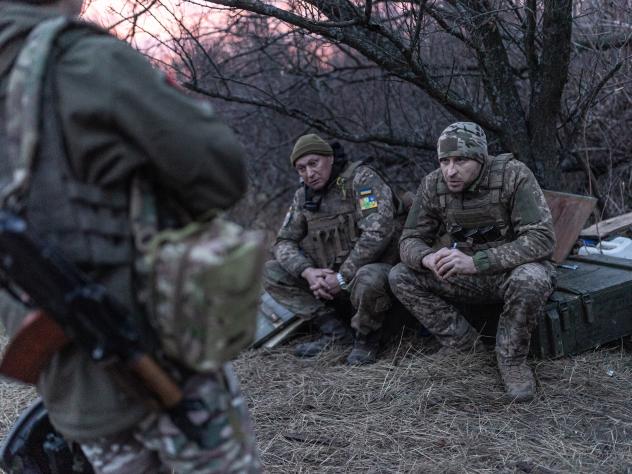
89	225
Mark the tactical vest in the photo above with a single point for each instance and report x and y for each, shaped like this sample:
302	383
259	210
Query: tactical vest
89	224
480	221
332	234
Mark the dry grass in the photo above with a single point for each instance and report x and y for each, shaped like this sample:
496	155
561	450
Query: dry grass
13	397
412	412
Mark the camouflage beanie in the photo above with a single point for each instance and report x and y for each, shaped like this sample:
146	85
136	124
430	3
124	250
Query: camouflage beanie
310	144
463	139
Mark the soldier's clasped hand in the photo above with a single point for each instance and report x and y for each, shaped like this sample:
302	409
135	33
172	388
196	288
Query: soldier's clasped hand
332	284
448	262
316	278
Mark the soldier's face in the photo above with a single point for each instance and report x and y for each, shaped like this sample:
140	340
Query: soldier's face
315	170
459	172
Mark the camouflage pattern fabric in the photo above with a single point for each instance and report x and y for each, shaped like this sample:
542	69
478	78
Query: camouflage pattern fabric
204	291
368	292
520	214
523	292
463	139
502	221
157	446
372	210
23	94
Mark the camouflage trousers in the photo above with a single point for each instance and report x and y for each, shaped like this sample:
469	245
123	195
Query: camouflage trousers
523	292
156	445
368	293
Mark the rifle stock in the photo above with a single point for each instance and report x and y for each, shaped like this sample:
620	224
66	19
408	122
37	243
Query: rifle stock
155	379
40	337
32	347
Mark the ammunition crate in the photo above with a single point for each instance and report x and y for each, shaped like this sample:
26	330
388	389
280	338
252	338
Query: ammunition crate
591	305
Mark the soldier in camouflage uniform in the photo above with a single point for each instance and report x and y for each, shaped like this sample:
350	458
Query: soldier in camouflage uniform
491	213
109	116
338	240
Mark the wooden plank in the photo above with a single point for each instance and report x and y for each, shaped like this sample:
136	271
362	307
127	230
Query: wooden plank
570	213
607	227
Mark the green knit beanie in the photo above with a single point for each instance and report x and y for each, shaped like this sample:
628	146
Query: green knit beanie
310	144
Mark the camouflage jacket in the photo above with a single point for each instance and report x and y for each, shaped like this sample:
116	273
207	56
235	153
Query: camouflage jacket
356	220
119	115
502	219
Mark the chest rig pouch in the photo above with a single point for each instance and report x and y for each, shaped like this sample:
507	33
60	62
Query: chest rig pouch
478	220
332	230
87	223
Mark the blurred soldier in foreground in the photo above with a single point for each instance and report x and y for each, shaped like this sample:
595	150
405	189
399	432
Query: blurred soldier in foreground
338	240
108	115
501	236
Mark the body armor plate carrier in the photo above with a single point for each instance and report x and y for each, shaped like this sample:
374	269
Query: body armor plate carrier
482	222
89	224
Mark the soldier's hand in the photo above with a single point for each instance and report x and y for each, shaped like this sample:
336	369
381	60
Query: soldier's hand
313	275
454	262
332	283
430	260
316	279
320	290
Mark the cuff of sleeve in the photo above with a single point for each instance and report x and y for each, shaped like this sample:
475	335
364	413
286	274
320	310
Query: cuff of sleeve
481	261
346	274
301	268
420	263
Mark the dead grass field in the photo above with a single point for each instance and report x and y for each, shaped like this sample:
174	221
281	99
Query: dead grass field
412	412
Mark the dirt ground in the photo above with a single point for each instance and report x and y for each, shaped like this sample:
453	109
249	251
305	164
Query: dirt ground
414	412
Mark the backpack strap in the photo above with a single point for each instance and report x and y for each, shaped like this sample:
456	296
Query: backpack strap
24	93
24	103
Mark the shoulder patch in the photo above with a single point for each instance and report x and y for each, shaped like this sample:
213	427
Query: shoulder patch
368	201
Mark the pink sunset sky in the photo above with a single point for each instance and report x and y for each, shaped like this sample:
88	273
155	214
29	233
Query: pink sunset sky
110	12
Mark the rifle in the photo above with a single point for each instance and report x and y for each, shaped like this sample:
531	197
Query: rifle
70	307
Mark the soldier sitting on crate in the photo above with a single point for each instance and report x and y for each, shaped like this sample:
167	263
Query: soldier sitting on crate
108	115
501	231
338	241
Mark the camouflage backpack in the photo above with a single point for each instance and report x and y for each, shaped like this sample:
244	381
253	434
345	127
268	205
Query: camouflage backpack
201	282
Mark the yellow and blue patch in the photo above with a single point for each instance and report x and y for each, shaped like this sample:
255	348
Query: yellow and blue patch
367	199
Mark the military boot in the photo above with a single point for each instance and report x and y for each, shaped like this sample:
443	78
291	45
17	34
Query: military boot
473	348
518	379
332	330
468	343
365	349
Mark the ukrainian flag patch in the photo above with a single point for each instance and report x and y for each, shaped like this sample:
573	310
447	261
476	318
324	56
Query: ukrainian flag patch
367	200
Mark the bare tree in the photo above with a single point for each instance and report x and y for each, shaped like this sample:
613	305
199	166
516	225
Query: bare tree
390	74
